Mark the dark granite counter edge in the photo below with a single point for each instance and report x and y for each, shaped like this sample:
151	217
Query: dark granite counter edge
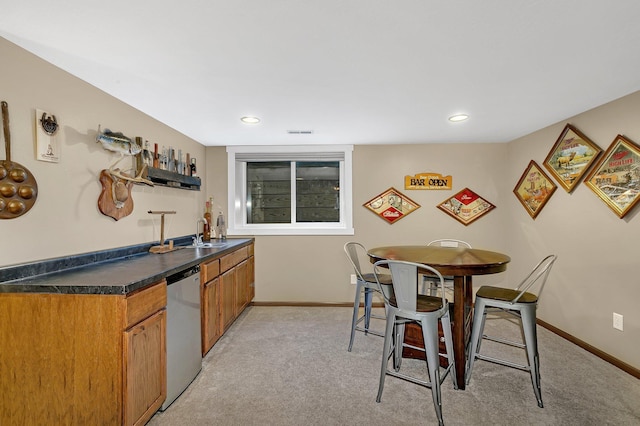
32	277
56	264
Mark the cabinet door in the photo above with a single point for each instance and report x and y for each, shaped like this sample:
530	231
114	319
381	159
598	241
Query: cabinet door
252	279
227	298
211	315
145	383
242	286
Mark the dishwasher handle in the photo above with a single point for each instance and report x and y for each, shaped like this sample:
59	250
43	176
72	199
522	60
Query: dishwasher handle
178	276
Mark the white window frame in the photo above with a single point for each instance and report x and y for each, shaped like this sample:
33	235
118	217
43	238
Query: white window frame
237	158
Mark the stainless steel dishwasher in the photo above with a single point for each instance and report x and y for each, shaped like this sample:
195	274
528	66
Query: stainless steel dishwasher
184	348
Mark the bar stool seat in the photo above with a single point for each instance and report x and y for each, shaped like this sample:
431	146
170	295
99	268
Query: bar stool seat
505	294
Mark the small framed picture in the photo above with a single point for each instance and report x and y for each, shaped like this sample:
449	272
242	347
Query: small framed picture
571	157
616	177
466	206
391	205
534	189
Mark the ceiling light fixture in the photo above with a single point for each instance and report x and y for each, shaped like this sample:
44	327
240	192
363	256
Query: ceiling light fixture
458	117
250	120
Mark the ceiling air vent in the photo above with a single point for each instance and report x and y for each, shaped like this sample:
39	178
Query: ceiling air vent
300	132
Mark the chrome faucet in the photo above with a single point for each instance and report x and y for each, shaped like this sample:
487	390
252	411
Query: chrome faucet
197	240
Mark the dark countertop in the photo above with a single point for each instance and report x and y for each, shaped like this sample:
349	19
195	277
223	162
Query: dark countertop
118	271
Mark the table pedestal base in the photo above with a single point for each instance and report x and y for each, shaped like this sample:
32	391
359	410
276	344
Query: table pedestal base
413	337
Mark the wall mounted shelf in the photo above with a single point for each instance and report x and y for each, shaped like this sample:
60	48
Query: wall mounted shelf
173	180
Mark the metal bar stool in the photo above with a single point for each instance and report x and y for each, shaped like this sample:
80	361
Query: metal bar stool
521	302
365	283
429	282
406	305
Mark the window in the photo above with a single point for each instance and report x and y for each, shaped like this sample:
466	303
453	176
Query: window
288	190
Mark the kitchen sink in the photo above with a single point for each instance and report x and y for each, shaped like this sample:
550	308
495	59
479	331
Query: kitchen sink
209	245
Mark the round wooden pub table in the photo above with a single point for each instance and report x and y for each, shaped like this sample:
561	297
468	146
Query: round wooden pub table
462	263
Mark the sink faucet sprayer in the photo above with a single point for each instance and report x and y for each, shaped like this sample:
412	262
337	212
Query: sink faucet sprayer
197	240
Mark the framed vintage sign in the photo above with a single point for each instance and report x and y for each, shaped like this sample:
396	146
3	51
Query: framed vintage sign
570	157
391	205
466	206
433	181
534	189
616	177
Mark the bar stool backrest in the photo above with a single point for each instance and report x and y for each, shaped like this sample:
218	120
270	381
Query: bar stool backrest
449	242
354	251
537	278
404	276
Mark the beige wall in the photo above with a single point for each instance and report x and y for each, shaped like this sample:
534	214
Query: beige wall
65	218
597	269
314	269
594	276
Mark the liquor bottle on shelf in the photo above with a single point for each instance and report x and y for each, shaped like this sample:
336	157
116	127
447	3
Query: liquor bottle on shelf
163	159
156	156
147	155
179	164
140	156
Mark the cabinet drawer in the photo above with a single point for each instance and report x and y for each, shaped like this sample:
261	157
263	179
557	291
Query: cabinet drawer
210	270
229	261
250	250
145	302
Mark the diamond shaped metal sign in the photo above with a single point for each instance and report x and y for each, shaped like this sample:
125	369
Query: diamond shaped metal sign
466	206
391	205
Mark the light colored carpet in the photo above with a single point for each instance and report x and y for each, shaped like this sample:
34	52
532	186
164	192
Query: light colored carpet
290	366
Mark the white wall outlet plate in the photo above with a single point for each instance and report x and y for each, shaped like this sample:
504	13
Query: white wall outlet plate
618	321
354	279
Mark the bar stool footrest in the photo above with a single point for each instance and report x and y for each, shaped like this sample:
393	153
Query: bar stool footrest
503	362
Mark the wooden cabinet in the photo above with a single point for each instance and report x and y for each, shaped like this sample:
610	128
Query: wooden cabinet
227	298
82	358
227	288
252	274
210	296
145	354
211	307
242	286
145	371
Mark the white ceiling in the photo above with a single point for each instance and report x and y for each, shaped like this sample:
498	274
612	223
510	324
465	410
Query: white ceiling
352	71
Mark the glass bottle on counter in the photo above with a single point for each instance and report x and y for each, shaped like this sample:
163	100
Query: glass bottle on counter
221	226
206	233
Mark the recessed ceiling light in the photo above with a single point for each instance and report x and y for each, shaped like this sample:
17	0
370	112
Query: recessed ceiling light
458	117
250	120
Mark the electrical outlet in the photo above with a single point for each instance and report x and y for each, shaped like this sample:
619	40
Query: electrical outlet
354	279
618	321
